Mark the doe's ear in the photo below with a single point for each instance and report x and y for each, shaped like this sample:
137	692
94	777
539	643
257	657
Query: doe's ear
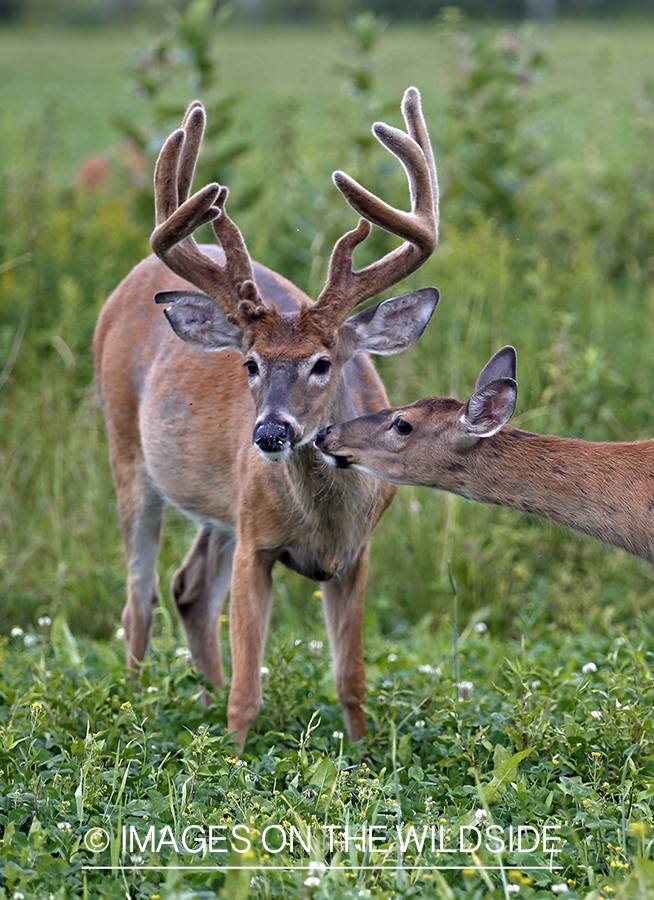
490	408
395	324
503	364
199	321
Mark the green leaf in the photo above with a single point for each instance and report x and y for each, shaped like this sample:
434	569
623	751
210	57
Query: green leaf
323	773
63	642
404	754
79	797
504	773
237	879
9	833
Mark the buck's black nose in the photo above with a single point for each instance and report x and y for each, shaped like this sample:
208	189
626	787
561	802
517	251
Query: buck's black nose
272	437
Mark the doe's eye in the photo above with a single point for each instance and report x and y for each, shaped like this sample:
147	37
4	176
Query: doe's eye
401	426
252	367
321	367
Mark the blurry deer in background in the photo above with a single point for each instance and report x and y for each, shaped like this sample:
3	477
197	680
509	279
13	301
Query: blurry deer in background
602	489
228	436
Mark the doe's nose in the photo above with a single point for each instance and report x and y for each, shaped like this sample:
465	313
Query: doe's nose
320	437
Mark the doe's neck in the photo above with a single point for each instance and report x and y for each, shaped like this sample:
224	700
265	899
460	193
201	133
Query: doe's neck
602	489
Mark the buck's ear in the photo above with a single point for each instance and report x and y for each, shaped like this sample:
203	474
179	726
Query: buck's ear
503	365
199	321
490	408
395	324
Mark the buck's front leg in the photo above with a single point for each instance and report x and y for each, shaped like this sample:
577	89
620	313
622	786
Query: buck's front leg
249	616
343	601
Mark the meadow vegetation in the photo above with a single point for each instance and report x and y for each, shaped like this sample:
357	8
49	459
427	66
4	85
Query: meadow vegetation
544	147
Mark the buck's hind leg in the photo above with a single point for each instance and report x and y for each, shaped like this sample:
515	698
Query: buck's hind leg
141	512
199	589
343	602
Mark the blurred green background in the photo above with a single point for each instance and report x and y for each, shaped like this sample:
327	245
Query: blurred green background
544	140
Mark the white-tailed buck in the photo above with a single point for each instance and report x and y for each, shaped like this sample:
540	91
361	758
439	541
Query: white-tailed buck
602	489
228	436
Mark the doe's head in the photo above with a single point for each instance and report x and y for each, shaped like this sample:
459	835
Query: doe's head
426	442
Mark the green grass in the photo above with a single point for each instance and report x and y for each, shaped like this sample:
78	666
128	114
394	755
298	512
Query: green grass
598	68
553	730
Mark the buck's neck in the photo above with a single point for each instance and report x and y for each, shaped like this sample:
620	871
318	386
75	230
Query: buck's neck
339	499
602	489
336	511
319	486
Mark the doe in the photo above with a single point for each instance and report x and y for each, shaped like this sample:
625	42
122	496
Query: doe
227	435
604	489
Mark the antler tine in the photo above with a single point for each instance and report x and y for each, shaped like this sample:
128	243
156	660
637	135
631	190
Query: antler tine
412	112
346	288
195	120
178	216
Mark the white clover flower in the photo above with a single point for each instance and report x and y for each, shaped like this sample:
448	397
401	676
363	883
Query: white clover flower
251	777
512	888
183	653
387	683
338	735
16	631
152	689
18	895
312	881
535	684
63	826
392	657
429	670
481	627
30	639
297	642
44	621
588	668
420	723
240	763
559	888
481	818
120	634
465	689
596	713
315	647
265	671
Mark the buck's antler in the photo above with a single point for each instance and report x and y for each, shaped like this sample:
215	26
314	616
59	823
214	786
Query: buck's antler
178	216
346	288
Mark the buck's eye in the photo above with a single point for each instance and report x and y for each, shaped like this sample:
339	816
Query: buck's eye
402	426
252	367
321	367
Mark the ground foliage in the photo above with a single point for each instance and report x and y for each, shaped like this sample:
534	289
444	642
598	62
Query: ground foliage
548	730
